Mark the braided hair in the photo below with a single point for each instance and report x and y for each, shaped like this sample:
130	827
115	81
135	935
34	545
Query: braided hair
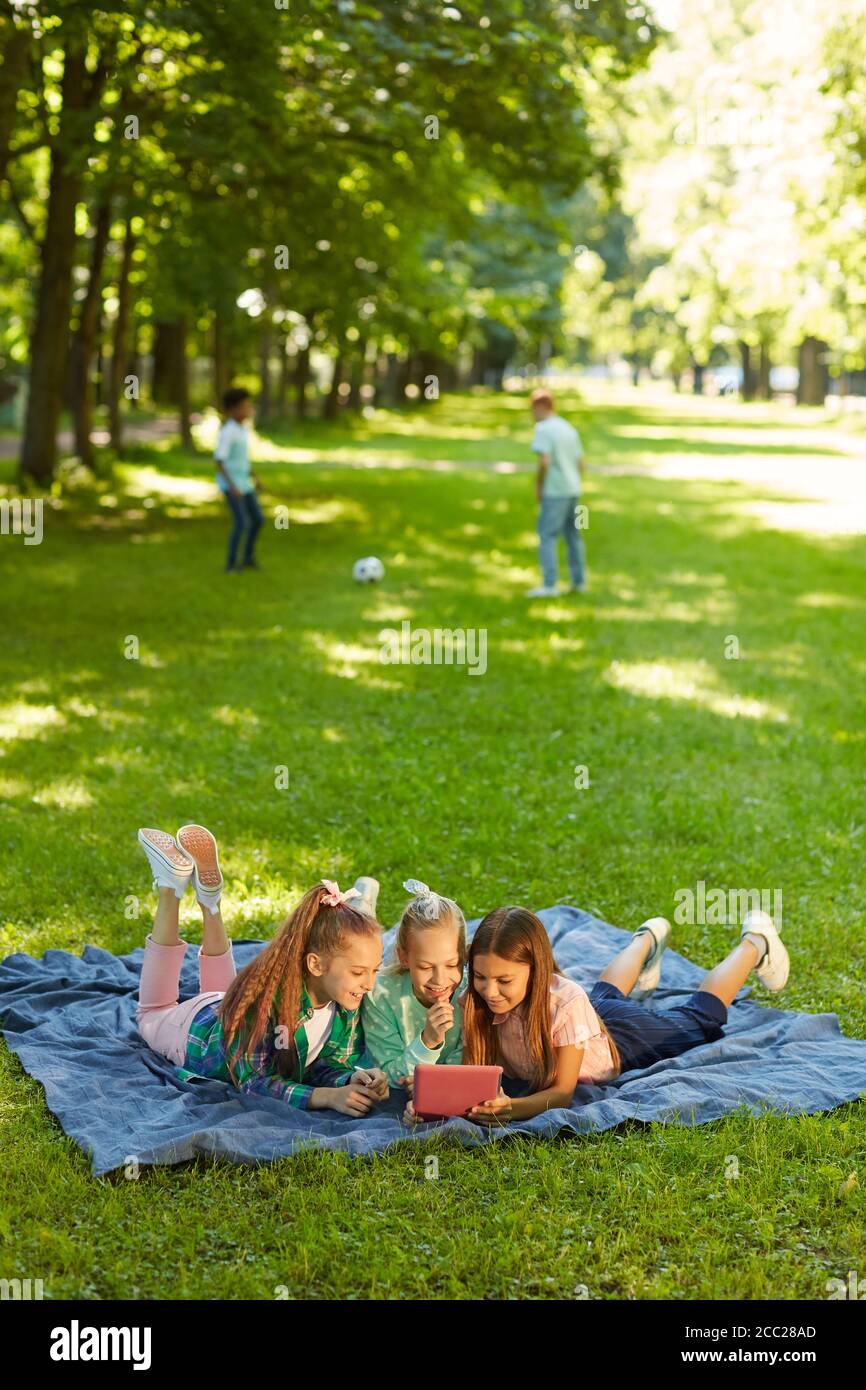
267	992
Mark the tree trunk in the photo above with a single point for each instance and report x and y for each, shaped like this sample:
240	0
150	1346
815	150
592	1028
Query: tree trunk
747	388
356	380
404	377
283	378
13	74
331	403
183	386
812	383
331	406
87	333
388	392
763	392
432	370
135	363
697	378
302	377
50	337
168	365
478	373
264	407
219	350
120	350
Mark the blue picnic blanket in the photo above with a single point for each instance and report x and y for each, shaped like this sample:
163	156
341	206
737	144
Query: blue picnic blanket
71	1021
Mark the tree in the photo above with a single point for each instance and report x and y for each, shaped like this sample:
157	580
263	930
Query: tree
353	137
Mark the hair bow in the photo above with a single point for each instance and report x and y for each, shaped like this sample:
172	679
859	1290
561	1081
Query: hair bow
416	887
332	897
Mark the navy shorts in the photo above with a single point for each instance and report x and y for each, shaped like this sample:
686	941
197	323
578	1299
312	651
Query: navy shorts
645	1036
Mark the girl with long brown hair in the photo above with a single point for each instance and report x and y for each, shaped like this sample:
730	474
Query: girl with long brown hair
548	1034
288	1025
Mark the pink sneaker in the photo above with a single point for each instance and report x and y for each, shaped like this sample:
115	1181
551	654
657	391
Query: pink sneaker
201	847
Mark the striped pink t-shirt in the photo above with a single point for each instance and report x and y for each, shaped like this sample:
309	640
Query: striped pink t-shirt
573	1021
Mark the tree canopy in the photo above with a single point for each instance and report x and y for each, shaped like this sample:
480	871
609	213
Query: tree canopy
245	180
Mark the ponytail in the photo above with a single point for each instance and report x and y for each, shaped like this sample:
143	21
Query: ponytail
267	992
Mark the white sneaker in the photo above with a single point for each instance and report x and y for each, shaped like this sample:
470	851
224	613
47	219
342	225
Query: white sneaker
543	591
659	928
201	847
774	965
363	895
172	868
578	588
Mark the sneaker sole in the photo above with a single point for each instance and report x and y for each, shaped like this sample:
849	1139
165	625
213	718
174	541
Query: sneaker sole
200	844
165	849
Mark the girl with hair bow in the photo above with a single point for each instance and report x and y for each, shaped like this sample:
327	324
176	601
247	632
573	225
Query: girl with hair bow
288	1025
410	1016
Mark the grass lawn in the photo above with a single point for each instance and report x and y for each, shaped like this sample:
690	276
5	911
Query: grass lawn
745	773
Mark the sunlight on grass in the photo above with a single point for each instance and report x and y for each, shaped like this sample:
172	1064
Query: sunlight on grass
687	682
27	721
351	661
327	511
65	796
14	787
711	608
142	481
810	518
233	717
731	436
819	600
502	572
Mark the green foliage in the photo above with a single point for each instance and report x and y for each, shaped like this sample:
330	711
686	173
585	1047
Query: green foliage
359	137
743	179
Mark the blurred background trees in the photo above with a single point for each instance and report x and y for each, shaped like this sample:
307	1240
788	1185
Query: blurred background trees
343	203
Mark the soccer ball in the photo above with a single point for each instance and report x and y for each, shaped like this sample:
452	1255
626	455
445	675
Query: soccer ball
368	571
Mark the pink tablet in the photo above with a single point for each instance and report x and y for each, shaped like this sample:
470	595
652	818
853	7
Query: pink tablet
445	1090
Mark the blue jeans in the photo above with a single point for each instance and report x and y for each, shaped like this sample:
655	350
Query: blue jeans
556	517
247	518
645	1036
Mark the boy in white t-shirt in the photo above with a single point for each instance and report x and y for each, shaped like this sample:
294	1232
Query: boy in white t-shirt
557	487
237	481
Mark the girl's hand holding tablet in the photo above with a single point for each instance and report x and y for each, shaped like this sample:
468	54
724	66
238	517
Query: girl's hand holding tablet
492	1112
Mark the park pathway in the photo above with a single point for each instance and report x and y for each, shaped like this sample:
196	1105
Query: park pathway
149	432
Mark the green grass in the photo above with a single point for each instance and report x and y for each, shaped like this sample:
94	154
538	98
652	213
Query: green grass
743	773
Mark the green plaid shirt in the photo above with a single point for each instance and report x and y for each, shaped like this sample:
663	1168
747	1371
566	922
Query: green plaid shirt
257	1073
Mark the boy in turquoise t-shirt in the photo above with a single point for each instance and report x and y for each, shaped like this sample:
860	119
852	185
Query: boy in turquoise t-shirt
557	487
236	480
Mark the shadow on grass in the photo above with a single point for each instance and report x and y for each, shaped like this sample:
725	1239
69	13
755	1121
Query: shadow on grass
697	762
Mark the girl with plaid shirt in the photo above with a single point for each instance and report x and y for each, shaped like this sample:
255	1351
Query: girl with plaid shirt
288	1026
